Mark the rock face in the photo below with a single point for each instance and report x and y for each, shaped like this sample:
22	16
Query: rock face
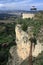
14	59
23	43
21	51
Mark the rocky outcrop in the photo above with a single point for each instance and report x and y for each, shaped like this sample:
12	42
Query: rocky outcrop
21	51
23	43
14	59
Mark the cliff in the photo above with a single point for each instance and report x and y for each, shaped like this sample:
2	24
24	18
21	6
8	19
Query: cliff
21	51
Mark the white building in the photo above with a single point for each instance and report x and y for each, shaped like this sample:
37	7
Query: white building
30	14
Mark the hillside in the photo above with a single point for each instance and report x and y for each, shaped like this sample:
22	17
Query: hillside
14	39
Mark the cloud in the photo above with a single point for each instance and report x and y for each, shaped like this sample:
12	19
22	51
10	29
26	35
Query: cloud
1	5
9	1
37	4
16	5
20	4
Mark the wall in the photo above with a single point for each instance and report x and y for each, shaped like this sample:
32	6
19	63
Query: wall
27	15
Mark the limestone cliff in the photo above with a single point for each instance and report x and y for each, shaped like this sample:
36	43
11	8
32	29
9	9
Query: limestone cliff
21	51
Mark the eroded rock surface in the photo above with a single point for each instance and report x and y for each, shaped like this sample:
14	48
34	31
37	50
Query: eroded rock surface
21	51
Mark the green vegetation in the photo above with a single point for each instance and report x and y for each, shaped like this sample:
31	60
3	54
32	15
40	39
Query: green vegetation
7	39
30	22
7	33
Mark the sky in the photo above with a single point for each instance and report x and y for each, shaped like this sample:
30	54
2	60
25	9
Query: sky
20	4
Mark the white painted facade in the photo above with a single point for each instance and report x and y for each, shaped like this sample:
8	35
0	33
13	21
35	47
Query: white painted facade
27	15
